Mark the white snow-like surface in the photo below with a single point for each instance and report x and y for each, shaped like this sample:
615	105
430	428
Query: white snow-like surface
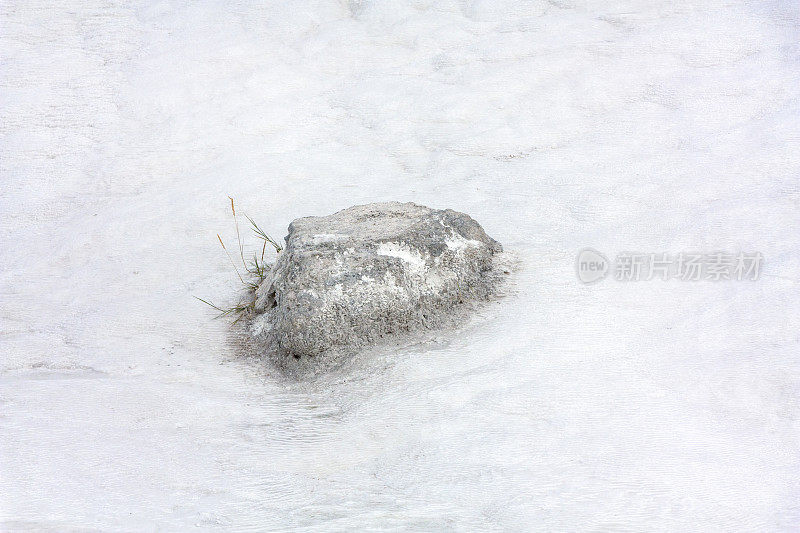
622	125
402	252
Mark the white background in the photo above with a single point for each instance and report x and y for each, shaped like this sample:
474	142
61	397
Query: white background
640	126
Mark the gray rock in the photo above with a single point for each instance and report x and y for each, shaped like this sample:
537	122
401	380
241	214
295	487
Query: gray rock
371	271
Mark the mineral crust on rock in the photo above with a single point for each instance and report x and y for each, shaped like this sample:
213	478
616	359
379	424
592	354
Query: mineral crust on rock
370	271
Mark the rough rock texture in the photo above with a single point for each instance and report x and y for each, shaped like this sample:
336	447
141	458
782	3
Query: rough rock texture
370	271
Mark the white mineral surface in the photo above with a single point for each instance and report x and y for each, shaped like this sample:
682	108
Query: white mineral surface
623	126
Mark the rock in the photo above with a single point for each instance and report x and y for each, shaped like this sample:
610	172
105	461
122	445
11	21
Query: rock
371	271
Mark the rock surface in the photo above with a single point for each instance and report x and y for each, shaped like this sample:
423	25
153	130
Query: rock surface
370	271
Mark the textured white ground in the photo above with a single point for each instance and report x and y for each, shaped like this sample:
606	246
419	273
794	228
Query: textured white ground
639	125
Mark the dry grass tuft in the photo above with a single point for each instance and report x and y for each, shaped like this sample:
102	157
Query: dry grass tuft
257	269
